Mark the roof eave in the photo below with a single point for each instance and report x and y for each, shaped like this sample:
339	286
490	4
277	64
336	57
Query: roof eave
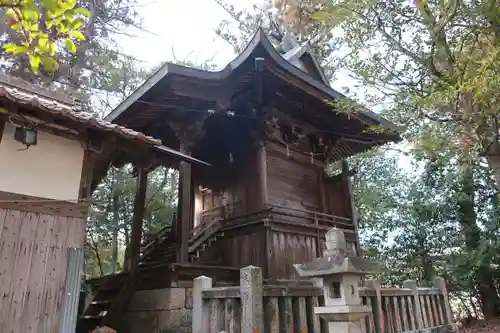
259	39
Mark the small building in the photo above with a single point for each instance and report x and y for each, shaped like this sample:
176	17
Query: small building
269	125
49	151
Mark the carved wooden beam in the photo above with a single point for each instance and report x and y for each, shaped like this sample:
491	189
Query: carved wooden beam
189	134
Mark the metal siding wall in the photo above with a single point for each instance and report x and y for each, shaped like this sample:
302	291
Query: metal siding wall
72	290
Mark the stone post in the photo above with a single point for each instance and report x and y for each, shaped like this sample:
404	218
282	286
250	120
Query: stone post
252	294
201	312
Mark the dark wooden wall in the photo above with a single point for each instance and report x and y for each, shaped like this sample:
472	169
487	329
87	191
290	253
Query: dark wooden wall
292	180
303	202
235	199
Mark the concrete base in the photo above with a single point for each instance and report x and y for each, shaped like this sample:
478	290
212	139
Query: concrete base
159	311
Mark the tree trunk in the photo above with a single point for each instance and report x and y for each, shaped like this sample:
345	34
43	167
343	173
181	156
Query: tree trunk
483	278
493	157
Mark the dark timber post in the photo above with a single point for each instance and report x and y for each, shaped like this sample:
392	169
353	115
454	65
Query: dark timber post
115	312
188	134
137	218
346	173
183	229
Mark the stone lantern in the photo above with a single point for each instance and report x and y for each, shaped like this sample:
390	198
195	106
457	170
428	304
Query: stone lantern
339	276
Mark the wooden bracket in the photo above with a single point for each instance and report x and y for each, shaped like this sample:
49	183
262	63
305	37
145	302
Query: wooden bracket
189	134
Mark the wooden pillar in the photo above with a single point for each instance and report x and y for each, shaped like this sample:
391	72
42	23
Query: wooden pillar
185	205
354	215
137	218
262	174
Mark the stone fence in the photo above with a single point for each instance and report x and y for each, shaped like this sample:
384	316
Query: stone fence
256	308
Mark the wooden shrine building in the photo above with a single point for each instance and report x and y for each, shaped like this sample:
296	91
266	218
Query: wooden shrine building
268	125
49	150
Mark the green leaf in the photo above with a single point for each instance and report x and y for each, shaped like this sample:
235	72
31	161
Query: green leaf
43	44
83	11
29	14
16	26
70	45
49	64
77	34
50	4
34	63
320	16
20	49
77	23
52	48
11	13
9	47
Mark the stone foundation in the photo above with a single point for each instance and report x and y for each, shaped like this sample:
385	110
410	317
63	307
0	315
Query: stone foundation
159	311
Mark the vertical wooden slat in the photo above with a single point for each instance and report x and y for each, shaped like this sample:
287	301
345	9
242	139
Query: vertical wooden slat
388	312
436	310
377	305
441	285
56	271
431	308
314	324
404	314
423	306
411	312
286	315
371	323
417	309
36	280
397	314
439	309
22	266
216	316
272	324
232	320
9	246
301	316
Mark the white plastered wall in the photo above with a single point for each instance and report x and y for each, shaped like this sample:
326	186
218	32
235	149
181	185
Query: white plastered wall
51	169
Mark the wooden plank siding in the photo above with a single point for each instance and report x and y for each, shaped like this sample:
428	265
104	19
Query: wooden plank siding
292	180
33	258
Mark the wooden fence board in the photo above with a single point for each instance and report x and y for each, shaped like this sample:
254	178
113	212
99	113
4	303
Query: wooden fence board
290	309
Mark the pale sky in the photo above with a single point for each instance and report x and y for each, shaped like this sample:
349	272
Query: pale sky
185	26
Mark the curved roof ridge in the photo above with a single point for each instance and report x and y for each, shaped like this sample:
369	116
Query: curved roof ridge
259	39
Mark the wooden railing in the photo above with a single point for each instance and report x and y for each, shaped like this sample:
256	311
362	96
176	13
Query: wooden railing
253	307
159	237
279	214
313	217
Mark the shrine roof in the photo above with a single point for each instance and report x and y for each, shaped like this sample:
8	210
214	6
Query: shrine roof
260	45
